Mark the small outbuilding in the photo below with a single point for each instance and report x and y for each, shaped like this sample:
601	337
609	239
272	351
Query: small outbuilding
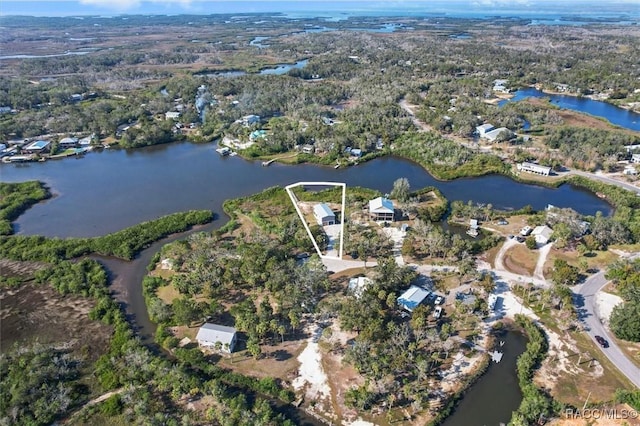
412	298
358	285
381	209
213	335
324	215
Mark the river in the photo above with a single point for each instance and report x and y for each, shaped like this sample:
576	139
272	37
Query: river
110	190
615	115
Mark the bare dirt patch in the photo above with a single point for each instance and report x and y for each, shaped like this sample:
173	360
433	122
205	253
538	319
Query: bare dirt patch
520	260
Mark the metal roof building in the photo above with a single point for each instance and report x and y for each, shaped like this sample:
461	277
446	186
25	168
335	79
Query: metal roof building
413	297
210	334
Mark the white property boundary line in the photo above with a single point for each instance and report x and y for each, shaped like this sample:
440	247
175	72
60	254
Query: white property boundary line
295	201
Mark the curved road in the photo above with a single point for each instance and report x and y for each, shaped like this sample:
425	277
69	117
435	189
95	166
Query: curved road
586	294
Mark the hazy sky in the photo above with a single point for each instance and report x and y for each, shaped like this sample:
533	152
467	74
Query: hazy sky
88	7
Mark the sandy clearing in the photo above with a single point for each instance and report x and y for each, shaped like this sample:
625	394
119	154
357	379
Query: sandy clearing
360	422
604	303
311	374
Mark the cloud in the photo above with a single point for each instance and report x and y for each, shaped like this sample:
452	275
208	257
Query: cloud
130	4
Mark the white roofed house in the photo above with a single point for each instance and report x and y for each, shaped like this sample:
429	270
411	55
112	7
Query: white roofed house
635	158
542	234
534	168
381	209
324	215
68	142
412	298
171	115
503	132
213	336
483	129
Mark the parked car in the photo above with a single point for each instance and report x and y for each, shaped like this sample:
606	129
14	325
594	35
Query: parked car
437	312
439	300
602	341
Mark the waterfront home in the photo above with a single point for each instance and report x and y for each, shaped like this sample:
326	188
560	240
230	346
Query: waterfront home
86	141
500	85
214	336
68	142
308	149
542	234
324	215
412	298
534	168
381	209
356	153
37	147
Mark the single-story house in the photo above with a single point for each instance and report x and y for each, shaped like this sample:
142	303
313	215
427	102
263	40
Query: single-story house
308	149
412	298
493	134
324	215
381	209
85	141
356	152
534	168
250	119
542	234
171	115
483	129
358	285
630	171
257	134
211	334
37	146
635	158
68	142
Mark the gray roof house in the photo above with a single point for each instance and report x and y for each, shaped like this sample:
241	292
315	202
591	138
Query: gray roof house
210	334
542	234
324	215
413	297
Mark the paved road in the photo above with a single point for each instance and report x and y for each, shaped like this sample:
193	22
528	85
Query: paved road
606	179
587	292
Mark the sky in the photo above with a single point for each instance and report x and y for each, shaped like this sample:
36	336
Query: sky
116	7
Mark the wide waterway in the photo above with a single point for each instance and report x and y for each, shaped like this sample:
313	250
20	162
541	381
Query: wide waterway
113	189
616	115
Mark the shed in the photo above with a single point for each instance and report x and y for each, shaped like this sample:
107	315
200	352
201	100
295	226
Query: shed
412	298
211	334
381	209
324	215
